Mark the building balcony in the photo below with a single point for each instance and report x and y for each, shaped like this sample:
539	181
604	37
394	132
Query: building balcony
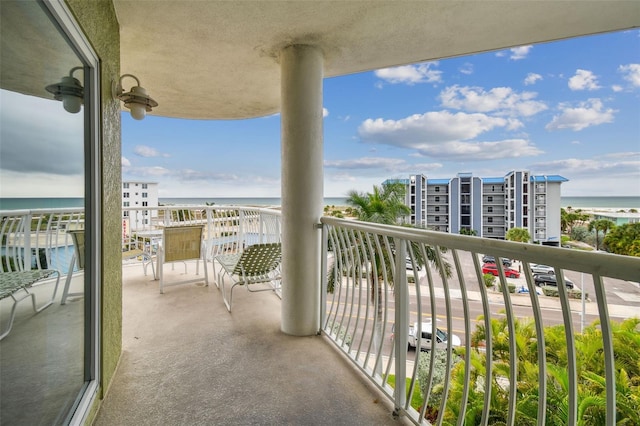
185	359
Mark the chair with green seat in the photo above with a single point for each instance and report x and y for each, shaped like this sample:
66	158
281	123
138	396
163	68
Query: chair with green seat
257	264
179	244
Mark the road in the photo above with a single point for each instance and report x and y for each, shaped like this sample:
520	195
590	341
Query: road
618	292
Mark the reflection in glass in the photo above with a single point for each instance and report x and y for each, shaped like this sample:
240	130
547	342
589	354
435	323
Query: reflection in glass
42	149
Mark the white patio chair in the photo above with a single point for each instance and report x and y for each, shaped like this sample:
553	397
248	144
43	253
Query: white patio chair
14	282
179	244
139	248
257	264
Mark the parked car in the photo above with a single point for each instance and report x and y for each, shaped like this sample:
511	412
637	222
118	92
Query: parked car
491	268
542	269
490	259
550	280
427	333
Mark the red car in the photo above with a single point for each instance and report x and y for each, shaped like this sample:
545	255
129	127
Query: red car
491	268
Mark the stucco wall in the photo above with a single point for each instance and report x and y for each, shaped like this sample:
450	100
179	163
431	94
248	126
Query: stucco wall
99	23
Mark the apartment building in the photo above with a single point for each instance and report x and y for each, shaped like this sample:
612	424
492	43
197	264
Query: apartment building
138	195
490	206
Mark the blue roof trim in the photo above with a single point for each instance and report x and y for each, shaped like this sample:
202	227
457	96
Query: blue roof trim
493	180
437	181
548	178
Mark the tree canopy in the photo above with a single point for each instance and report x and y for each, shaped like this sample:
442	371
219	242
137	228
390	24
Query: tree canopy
601	225
518	234
590	370
384	205
624	239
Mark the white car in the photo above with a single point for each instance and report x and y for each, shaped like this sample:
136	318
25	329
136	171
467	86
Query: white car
542	269
427	333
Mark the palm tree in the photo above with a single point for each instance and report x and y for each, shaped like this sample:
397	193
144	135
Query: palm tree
385	205
603	225
518	234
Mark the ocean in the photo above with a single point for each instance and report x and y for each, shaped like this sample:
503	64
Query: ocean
261	201
51	203
604	202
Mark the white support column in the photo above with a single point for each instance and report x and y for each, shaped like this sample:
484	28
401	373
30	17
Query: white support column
302	187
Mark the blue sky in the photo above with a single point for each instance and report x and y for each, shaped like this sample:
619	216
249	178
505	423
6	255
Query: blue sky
570	108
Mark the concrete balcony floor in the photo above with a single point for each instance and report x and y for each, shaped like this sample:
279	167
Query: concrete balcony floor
187	361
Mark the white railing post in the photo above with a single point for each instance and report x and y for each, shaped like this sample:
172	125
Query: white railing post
401	329
26	235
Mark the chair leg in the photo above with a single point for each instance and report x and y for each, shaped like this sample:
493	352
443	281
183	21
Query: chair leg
5	333
159	269
67	283
50	302
206	270
229	302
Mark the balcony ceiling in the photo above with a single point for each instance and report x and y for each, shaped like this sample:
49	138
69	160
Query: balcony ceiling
219	59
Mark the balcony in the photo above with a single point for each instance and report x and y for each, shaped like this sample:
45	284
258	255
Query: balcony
185	359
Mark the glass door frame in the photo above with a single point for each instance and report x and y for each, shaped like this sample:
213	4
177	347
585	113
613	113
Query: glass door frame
64	19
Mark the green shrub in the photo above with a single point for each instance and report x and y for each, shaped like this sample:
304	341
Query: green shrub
341	334
510	286
489	280
439	371
579	233
574	293
416	397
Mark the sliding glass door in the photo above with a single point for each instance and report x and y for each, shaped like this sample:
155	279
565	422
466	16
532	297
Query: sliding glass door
49	190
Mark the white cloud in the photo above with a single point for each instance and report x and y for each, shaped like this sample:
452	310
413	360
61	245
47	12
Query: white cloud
583	80
586	114
125	162
40	184
430	127
467	68
521	52
411	74
532	78
596	177
148	152
446	135
501	100
388	165
325	112
631	73
617	88
457	150
625	155
39	136
366	163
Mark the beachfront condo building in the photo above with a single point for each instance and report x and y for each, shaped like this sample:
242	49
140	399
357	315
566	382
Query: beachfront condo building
138	195
490	206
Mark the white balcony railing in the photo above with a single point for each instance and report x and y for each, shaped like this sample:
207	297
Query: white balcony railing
370	299
371	304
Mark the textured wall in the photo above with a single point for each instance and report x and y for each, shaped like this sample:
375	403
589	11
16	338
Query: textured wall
99	23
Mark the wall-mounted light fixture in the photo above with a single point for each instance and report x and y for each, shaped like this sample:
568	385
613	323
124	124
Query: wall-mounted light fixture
136	100
69	91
